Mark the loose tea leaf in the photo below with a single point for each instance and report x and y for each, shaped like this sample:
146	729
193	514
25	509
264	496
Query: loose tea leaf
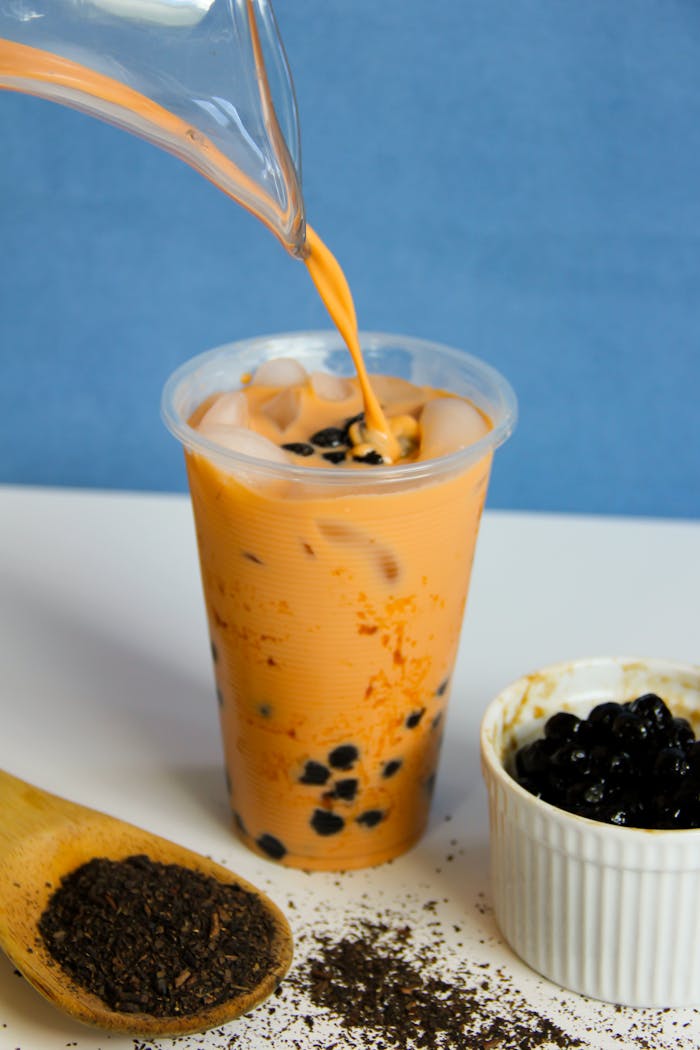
375	981
159	939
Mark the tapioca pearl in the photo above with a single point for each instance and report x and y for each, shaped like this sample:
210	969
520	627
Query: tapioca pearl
265	710
272	846
414	718
314	773
351	423
436	721
336	456
391	767
366	453
329	437
324	822
442	688
388	566
345	789
343	757
299	448
371	817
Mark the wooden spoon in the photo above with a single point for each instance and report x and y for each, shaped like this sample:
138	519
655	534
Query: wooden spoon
44	837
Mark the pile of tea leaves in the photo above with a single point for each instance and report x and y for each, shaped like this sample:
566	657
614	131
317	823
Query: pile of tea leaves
158	939
389	992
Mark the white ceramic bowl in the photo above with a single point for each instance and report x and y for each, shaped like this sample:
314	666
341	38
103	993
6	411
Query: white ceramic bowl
609	912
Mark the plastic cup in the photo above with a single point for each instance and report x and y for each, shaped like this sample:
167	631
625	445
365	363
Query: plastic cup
335	600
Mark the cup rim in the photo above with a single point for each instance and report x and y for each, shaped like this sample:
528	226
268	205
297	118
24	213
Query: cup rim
504	409
493	763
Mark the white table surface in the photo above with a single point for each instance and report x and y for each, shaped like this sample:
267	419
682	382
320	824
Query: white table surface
107	698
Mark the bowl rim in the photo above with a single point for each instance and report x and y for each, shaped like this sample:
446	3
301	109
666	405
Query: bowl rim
492	763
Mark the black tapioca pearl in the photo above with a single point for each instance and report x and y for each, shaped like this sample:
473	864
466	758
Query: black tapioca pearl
562	727
390	569
681	733
272	846
670	765
214	651
391	767
337	456
603	715
442	688
265	710
299	448
359	418
373	458
532	760
354	419
436	720
371	817
414	718
329	437
630	731
326	823
344	756
314	773
345	789
653	710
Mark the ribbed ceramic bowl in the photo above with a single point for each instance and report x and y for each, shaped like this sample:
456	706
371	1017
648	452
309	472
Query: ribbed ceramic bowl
609	912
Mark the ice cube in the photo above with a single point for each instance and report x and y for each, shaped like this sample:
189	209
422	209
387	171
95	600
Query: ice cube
448	424
247	442
279	371
330	388
228	409
283	408
398	394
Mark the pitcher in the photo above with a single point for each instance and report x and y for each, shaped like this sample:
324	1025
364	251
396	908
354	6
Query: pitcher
207	80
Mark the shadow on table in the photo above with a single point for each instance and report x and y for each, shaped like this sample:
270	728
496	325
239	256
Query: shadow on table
118	700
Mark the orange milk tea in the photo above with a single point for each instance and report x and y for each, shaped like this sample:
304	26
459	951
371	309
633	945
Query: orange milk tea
335	589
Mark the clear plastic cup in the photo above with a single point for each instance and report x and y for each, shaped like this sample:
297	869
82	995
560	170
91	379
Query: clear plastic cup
335	600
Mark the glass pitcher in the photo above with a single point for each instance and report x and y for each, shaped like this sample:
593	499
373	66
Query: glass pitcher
207	80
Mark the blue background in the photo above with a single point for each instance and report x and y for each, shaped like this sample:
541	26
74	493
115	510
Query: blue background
519	178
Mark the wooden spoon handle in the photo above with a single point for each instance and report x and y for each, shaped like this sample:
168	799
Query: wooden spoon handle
25	810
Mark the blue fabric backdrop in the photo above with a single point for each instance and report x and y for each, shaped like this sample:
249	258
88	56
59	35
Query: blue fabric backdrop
520	178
